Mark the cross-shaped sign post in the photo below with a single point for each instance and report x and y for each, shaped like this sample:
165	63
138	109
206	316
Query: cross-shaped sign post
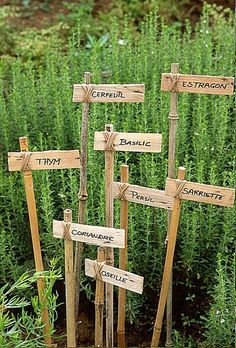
110	141
102	93
101	236
174	83
26	161
179	189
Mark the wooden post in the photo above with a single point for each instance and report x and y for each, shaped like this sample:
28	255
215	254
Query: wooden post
109	176
173	119
124	169
82	195
29	190
99	304
168	265
69	282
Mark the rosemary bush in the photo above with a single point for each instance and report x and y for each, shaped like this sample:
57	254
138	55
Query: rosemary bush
37	101
20	312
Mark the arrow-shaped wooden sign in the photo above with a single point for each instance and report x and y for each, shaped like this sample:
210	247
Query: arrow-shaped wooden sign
197	84
55	159
142	195
108	93
97	235
114	276
193	191
132	142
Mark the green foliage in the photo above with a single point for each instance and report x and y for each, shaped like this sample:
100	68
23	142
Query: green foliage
36	101
220	320
24	327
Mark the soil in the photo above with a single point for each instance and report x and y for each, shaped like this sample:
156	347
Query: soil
41	14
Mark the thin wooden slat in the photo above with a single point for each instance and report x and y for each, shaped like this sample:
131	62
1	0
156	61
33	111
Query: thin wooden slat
109	93
99	304
109	252
144	195
124	171
199	84
201	193
34	229
97	235
55	159
133	142
116	276
172	235
69	284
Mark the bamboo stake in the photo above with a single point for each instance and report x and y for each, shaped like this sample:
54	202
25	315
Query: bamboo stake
69	282
82	195
173	120
168	265
30	197
99	304
109	178
124	169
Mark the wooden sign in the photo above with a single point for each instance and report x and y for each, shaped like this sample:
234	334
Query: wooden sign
143	195
197	84
133	142
115	276
108	93
102	236
43	160
201	193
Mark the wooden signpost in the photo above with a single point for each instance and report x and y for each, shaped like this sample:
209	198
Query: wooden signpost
109	93
26	161
101	236
142	195
198	84
97	235
133	142
115	276
43	160
110	141
89	93
174	83
181	189
69	279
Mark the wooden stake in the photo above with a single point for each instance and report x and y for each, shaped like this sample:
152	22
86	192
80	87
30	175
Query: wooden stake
168	265
109	177
69	282
29	190
83	195
173	119
99	304
124	169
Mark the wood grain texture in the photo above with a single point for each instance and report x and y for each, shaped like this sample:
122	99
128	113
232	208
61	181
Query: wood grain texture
116	277
34	229
109	93
99	304
124	171
133	142
172	235
199	84
69	285
96	235
144	195
202	193
45	160
109	252
173	123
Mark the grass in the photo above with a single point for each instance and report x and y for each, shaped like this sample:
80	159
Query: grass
37	101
